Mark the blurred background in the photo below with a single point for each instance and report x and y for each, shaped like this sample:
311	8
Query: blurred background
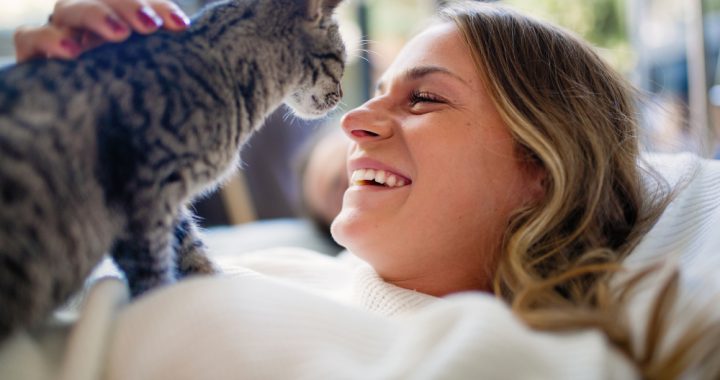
668	48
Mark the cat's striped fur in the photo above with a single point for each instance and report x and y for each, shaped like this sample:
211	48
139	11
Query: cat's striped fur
102	154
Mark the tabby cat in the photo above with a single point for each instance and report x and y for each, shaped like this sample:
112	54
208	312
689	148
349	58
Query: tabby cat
104	153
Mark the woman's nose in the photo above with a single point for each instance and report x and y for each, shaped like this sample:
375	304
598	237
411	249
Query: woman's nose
369	122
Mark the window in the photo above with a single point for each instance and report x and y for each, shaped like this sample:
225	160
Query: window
669	49
16	13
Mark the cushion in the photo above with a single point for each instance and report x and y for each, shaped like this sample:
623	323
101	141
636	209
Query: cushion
689	229
687	238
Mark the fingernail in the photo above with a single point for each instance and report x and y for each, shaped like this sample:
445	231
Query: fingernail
149	18
115	24
180	19
70	46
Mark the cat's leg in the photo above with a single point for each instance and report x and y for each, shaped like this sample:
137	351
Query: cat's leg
191	254
146	254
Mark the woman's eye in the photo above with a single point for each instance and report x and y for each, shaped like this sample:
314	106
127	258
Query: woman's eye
417	97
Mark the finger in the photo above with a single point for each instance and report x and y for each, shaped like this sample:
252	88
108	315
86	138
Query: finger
45	41
94	16
173	17
138	14
89	40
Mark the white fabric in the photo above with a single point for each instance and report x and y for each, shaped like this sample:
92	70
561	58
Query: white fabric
689	229
249	325
297	315
56	351
687	236
346	279
254	328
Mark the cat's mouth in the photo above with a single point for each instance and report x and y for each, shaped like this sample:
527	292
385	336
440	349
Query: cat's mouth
314	106
330	101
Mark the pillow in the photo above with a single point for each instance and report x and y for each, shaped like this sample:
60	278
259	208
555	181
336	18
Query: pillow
689	229
686	237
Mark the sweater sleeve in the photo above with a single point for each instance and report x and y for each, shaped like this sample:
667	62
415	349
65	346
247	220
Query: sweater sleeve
254	328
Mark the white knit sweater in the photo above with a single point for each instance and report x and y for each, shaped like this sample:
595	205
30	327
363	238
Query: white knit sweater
289	314
318	318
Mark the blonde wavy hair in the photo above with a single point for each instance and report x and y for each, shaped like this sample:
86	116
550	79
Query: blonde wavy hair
574	117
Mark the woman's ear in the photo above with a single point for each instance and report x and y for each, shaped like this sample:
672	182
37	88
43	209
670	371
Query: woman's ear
538	183
536	177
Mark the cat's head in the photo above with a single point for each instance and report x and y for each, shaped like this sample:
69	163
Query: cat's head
319	90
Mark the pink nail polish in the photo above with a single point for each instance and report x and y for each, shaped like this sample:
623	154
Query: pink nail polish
149	18
180	20
115	24
71	46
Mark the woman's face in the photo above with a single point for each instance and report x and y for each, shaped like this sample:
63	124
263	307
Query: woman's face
449	167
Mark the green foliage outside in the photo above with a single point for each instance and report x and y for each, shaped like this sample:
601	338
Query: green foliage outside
398	18
602	22
711	6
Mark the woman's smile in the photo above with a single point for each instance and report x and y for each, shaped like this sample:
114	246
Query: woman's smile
365	171
373	177
375	184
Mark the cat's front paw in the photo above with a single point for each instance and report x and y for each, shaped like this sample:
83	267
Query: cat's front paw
195	264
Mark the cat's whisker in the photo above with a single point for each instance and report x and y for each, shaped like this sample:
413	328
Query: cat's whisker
342	106
340	109
363	58
365	41
364	54
288	117
369	52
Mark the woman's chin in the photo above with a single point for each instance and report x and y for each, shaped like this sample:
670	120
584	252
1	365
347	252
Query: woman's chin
342	231
353	231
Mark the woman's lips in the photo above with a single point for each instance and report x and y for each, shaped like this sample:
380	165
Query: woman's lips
369	172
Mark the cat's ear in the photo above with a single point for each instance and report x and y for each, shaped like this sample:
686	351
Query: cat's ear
314	9
328	6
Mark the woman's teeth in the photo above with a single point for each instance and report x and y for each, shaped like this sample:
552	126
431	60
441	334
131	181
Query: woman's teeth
376	177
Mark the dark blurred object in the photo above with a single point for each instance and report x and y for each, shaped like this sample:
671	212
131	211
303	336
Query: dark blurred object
211	210
268	164
267	171
714	97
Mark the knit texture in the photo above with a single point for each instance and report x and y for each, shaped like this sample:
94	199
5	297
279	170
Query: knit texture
687	238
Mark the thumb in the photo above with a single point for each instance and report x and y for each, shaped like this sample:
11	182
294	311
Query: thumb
45	42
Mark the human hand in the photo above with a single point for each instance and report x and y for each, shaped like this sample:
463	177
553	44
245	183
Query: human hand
80	25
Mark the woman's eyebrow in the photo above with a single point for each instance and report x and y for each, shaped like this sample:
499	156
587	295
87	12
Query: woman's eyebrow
418	72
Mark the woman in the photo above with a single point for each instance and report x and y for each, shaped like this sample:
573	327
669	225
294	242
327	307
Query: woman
499	155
